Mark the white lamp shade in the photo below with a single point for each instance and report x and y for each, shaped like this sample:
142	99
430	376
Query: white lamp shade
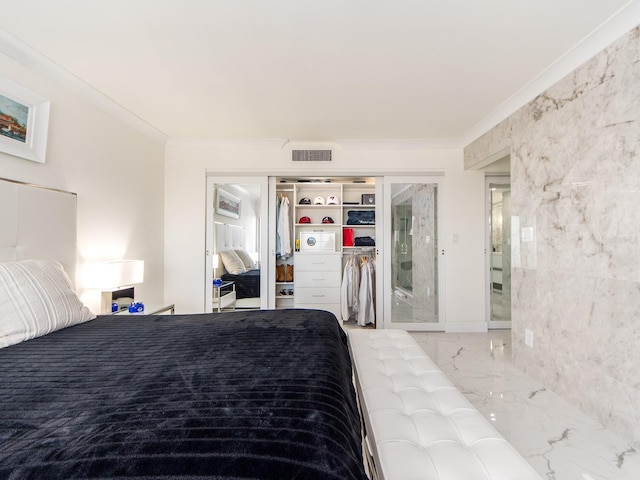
114	275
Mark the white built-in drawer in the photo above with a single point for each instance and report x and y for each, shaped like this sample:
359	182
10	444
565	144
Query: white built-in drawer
317	279
317	261
317	295
330	307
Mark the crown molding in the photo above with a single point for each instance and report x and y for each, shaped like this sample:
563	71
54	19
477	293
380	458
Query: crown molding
350	144
619	24
400	144
262	143
34	60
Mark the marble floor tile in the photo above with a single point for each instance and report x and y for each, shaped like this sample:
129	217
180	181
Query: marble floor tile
557	439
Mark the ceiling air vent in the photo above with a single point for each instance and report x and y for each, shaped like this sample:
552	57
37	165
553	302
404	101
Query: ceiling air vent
311	155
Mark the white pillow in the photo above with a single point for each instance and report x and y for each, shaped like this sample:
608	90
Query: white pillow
36	298
249	264
232	262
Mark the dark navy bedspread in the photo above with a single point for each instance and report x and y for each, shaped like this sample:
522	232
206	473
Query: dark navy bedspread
247	283
242	395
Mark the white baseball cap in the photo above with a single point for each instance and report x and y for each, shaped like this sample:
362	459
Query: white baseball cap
333	200
318	201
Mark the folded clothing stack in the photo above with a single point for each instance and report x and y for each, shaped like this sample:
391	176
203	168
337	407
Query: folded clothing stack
361	217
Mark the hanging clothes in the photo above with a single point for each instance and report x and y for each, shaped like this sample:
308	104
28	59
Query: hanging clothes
278	241
350	288
366	312
283	229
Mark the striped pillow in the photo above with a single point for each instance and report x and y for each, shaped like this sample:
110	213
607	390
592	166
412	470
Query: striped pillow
232	262
36	298
249	264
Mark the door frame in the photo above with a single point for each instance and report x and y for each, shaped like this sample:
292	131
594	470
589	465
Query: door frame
387	180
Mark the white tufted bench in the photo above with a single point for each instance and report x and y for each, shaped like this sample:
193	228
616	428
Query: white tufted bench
417	424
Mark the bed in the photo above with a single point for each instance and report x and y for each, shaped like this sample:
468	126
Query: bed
238	395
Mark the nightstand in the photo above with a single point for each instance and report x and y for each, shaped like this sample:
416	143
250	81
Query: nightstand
224	296
152	310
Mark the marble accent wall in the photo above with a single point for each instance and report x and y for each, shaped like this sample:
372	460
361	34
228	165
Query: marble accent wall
575	179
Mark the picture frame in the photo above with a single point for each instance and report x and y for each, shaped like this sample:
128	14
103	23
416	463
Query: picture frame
227	204
24	122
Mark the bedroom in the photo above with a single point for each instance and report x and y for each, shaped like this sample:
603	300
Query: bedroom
158	210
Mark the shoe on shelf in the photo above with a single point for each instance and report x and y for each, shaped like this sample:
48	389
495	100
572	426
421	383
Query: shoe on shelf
289	274
280	273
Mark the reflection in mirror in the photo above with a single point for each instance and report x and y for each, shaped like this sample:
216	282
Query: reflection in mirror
404	246
414	265
237	234
500	240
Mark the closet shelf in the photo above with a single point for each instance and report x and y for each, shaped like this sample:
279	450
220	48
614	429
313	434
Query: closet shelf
317	225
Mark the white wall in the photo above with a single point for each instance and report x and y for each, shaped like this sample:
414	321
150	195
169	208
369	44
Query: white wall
187	164
116	171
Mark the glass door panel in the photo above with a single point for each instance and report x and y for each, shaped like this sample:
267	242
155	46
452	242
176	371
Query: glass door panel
413	288
499	252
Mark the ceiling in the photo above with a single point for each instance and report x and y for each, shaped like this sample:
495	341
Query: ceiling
307	71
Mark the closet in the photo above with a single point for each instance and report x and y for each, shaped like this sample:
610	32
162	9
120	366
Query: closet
301	233
329	222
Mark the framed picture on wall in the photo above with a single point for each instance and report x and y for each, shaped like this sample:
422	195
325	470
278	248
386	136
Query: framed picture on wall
227	204
24	121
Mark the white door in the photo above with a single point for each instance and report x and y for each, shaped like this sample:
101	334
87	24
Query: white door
412	252
243	224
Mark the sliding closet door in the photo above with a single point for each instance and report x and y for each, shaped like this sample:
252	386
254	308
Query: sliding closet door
413	256
237	212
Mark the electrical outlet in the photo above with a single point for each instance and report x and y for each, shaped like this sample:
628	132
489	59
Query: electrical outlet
528	337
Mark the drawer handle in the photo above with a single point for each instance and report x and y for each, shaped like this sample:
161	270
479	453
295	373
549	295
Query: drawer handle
318	279
318	296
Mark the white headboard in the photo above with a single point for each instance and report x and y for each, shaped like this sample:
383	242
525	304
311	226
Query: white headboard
38	222
229	237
